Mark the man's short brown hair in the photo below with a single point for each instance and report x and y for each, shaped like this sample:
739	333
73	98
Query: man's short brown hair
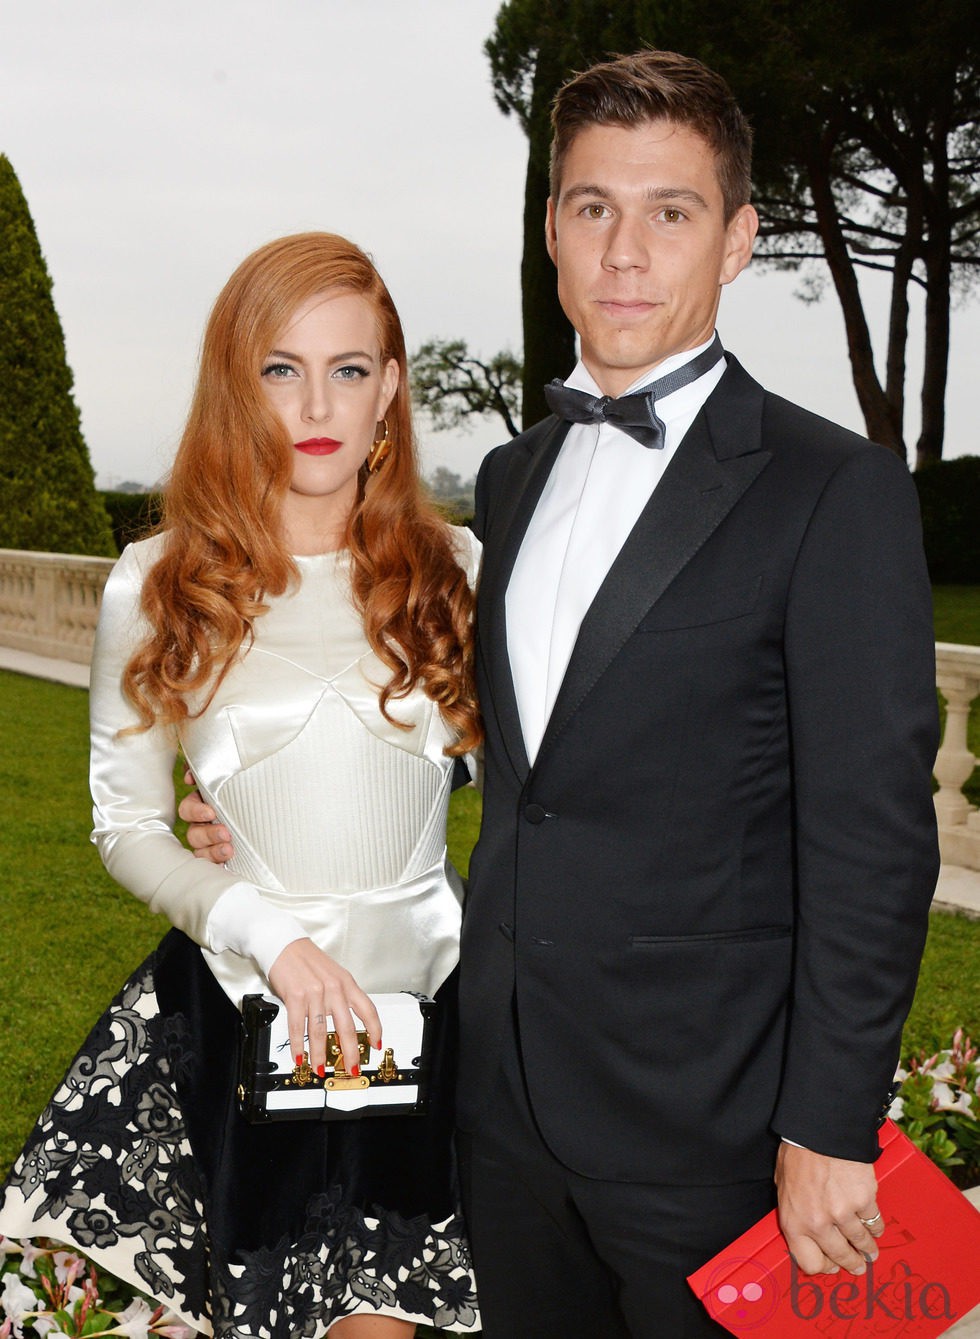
657	86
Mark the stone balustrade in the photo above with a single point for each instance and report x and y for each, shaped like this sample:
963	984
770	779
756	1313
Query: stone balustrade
49	602
958	679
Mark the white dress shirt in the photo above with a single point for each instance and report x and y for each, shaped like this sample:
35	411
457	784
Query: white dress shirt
595	493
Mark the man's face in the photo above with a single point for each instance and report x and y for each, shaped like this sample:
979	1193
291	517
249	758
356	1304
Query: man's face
642	247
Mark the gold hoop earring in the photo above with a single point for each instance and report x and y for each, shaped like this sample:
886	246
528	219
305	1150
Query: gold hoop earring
380	449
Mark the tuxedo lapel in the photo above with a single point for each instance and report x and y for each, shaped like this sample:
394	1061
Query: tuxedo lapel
519	493
718	459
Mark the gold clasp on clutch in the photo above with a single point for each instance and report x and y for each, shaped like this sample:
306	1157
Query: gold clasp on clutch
388	1070
302	1075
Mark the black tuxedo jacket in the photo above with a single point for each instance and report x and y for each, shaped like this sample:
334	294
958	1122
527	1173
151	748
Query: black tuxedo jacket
708	897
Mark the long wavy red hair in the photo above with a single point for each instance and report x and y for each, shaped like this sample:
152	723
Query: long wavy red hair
225	553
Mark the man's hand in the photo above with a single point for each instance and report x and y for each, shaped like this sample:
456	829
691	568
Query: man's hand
825	1205
207	839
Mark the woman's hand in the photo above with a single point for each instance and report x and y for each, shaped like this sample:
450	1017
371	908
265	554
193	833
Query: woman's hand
314	989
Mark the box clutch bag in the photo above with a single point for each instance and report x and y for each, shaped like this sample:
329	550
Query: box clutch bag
392	1082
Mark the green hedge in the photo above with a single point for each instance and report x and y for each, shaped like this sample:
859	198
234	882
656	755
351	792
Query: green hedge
949	494
131	515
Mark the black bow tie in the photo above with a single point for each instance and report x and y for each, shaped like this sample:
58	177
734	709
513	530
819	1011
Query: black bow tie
633	414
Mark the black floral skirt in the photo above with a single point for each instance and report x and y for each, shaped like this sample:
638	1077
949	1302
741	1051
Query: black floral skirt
142	1161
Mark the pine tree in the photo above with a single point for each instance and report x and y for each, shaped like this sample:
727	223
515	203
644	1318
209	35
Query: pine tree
48	499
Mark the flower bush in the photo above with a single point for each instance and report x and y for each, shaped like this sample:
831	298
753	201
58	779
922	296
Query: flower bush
48	1292
938	1107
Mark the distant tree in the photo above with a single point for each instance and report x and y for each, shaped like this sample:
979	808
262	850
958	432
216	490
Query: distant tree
867	154
535	46
453	496
444	482
531	51
48	499
867	125
453	385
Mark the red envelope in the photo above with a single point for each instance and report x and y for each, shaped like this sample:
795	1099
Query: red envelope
926	1277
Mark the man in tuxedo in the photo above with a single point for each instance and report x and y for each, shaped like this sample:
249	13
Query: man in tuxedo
699	898
705	655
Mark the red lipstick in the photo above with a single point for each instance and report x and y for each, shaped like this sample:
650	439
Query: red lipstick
318	446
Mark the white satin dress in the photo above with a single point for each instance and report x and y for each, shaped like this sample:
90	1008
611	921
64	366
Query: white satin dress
338	820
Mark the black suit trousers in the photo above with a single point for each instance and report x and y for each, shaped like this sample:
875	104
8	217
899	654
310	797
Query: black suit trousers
561	1256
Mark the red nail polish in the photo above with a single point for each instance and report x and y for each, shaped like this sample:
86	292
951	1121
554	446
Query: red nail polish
321	1070
299	1060
377	1046
355	1072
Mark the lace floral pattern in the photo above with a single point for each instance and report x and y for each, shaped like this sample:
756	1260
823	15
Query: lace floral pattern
109	1168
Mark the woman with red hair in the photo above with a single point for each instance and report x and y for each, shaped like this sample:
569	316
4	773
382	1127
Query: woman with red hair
300	629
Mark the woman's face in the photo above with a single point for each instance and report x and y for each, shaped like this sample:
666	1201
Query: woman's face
326	382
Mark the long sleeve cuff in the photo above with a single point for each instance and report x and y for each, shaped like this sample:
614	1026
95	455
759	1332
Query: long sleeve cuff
242	921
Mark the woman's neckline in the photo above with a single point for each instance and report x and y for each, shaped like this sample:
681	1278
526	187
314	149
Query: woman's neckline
316	557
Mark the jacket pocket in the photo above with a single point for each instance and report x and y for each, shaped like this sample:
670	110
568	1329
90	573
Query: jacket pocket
756	935
669	615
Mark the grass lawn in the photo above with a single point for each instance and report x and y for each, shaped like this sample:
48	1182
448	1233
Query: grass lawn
956	614
71	936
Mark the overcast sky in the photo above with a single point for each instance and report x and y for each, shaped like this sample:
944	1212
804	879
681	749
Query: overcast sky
157	144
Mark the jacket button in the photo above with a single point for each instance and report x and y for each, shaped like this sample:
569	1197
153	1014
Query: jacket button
534	813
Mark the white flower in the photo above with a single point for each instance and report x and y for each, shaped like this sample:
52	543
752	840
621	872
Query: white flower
942	1094
945	1098
173	1327
17	1301
67	1266
8	1246
135	1320
897	1109
31	1252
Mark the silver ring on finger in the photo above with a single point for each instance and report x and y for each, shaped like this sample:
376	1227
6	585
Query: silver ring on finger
871	1222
